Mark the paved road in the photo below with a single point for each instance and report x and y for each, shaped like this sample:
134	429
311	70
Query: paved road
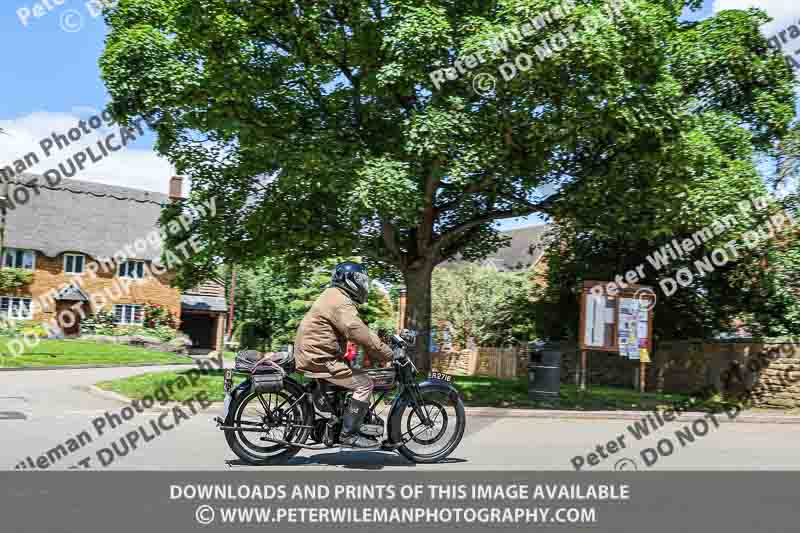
40	410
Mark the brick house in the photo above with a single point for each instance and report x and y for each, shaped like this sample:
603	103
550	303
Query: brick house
69	235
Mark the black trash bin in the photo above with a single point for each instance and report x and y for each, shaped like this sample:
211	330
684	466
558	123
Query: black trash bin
544	372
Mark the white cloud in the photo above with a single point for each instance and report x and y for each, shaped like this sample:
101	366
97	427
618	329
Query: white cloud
128	167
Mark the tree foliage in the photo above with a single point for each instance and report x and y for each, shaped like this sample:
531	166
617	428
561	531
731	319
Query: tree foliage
262	299
376	312
482	304
753	287
320	127
274	303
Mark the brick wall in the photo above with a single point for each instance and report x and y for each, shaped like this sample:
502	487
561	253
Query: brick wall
768	367
604	368
49	275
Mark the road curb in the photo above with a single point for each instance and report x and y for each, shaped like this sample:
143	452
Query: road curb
107	394
84	367
111	395
689	416
496	412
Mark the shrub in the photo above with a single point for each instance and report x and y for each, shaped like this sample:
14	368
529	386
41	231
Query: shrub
36	330
156	316
8	328
126	331
14	278
101	323
164	333
247	335
30	328
158	323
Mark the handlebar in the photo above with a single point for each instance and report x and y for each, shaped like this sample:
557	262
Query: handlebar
399	344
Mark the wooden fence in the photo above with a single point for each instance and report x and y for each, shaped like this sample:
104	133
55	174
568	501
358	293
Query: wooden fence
505	363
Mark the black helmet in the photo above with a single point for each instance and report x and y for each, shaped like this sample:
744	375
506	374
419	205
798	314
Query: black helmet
352	278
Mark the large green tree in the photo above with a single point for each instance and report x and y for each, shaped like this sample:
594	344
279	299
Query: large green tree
318	126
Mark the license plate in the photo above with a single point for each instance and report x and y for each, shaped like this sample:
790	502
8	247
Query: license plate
441	377
227	385
227	381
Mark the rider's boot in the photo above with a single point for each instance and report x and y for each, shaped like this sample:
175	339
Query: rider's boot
353	416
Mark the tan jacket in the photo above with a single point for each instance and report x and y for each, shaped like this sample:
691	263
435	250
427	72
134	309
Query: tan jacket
322	337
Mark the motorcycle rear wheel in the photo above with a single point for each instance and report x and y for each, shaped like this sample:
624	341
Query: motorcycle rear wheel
279	414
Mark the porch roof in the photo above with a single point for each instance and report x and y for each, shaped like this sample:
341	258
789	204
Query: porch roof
193	302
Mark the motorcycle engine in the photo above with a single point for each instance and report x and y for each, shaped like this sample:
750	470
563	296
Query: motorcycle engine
372	426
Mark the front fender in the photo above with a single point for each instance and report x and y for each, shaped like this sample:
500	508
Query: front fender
401	402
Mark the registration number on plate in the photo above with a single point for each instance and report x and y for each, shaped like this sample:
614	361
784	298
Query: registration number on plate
227	385
441	377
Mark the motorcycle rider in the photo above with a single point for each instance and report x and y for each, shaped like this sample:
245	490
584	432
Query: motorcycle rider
321	343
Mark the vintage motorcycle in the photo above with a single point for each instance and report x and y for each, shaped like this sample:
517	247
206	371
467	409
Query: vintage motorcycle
270	416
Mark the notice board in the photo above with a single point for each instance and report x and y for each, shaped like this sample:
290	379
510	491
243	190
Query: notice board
617	319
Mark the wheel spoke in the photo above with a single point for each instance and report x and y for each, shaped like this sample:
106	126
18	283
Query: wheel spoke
282	419
439	436
264	405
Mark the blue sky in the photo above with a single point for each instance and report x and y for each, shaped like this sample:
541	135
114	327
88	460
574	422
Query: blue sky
51	79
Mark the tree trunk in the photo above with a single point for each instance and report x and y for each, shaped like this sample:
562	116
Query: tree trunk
418	312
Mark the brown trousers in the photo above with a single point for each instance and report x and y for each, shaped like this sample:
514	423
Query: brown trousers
360	383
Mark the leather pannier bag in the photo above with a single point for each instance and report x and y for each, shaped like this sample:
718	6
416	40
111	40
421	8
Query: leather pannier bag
266	375
267	383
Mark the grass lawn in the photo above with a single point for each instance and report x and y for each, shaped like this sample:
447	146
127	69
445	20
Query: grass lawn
477	392
492	392
76	352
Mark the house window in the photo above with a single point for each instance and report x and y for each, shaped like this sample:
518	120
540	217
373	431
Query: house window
15	258
131	269
128	314
16	308
73	263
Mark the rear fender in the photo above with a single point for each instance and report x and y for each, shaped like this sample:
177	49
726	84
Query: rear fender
404	400
240	389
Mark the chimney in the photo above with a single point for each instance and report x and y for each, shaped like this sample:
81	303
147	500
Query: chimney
176	188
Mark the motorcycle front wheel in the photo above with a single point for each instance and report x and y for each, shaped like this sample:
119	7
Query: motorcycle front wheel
282	416
435	441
